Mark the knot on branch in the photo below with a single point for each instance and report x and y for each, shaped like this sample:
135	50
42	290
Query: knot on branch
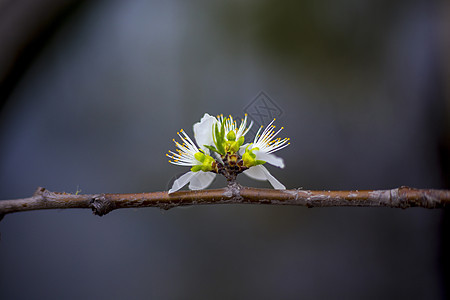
41	193
233	191
100	205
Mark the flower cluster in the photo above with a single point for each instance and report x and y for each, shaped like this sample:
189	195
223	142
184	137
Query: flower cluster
222	138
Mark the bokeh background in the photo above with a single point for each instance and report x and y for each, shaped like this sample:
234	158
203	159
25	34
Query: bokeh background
93	92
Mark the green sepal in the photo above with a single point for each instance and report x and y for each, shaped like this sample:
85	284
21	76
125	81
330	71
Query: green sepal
241	141
219	138
200	156
234	147
196	168
211	148
222	131
217	133
206	162
249	157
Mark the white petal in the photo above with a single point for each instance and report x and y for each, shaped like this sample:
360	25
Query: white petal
270	158
203	132
242	149
182	181
259	172
201	180
273	181
256	172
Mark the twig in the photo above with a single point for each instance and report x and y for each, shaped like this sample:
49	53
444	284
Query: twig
102	204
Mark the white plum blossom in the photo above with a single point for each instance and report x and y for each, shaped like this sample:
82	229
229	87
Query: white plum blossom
225	139
188	154
260	151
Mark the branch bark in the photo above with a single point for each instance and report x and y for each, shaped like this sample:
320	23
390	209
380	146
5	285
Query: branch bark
102	204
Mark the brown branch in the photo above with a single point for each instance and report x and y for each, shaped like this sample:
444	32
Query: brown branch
102	204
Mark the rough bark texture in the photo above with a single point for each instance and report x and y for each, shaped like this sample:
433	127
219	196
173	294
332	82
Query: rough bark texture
102	204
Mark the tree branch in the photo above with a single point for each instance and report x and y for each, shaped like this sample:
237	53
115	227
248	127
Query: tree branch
102	204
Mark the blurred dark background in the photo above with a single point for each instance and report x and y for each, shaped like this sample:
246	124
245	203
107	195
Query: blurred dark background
94	91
